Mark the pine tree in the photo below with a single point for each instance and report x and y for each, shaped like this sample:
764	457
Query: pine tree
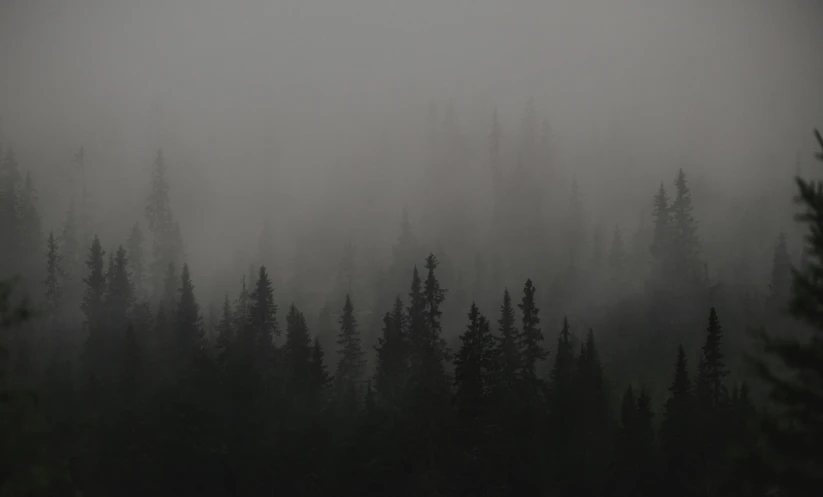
188	324
320	378
70	247
171	286
794	434
662	237
677	434
225	329
617	254
508	350
392	358
712	372
531	336
10	190
29	227
686	245
563	411
474	366
352	363
780	284
167	248
137	264
95	282
262	324
54	276
297	350
241	308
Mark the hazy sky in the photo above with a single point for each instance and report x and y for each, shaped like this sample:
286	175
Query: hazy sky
730	88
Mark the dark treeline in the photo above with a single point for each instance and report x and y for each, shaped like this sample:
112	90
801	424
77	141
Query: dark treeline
122	382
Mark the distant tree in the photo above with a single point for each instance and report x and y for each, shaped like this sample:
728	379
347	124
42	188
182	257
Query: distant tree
225	329
531	336
29	228
188	324
10	193
617	254
54	276
392	368
95	288
297	350
352	364
167	248
119	295
507	346
562	409
711	389
70	247
662	235
320	378
171	286
685	243
263	316
681	475
137	262
474	368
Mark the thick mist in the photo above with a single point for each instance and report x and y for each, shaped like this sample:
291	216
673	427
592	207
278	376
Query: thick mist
313	114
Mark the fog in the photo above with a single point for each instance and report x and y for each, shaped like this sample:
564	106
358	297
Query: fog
313	114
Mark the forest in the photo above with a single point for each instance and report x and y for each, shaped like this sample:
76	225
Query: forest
411	249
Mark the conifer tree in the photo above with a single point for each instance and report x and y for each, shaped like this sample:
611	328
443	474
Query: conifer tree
508	349
119	295
433	348
392	358
352	363
562	409
617	254
95	282
794	434
474	367
297	350
167	243
188	324
320	378
263	311
171	286
137	263
712	372
70	247
662	235
225	329
241	308
54	276
29	227
686	246
10	189
531	336
677	434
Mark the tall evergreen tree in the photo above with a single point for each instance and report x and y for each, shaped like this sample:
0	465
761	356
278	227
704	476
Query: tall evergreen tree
10	190
508	349
95	282
677	435
188	324
29	228
167	241
297	350
617	254
352	364
712	372
54	276
686	246
474	367
531	336
225	329
119	294
392	365
662	235
320	378
137	262
263	313
794	434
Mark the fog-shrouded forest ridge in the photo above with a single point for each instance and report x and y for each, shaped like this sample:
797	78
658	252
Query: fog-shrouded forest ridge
632	370
366	248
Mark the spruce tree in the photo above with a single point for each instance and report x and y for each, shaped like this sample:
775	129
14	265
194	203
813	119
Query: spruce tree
54	277
662	235
29	228
320	378
137	262
171	286
119	295
794	433
10	190
263	312
677	435
95	288
352	364
70	247
531	336
188	325
392	368
474	367
225	329
507	347
711	370
167	242
297	350
685	244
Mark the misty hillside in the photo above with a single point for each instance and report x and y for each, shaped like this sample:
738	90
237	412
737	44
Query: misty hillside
410	248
